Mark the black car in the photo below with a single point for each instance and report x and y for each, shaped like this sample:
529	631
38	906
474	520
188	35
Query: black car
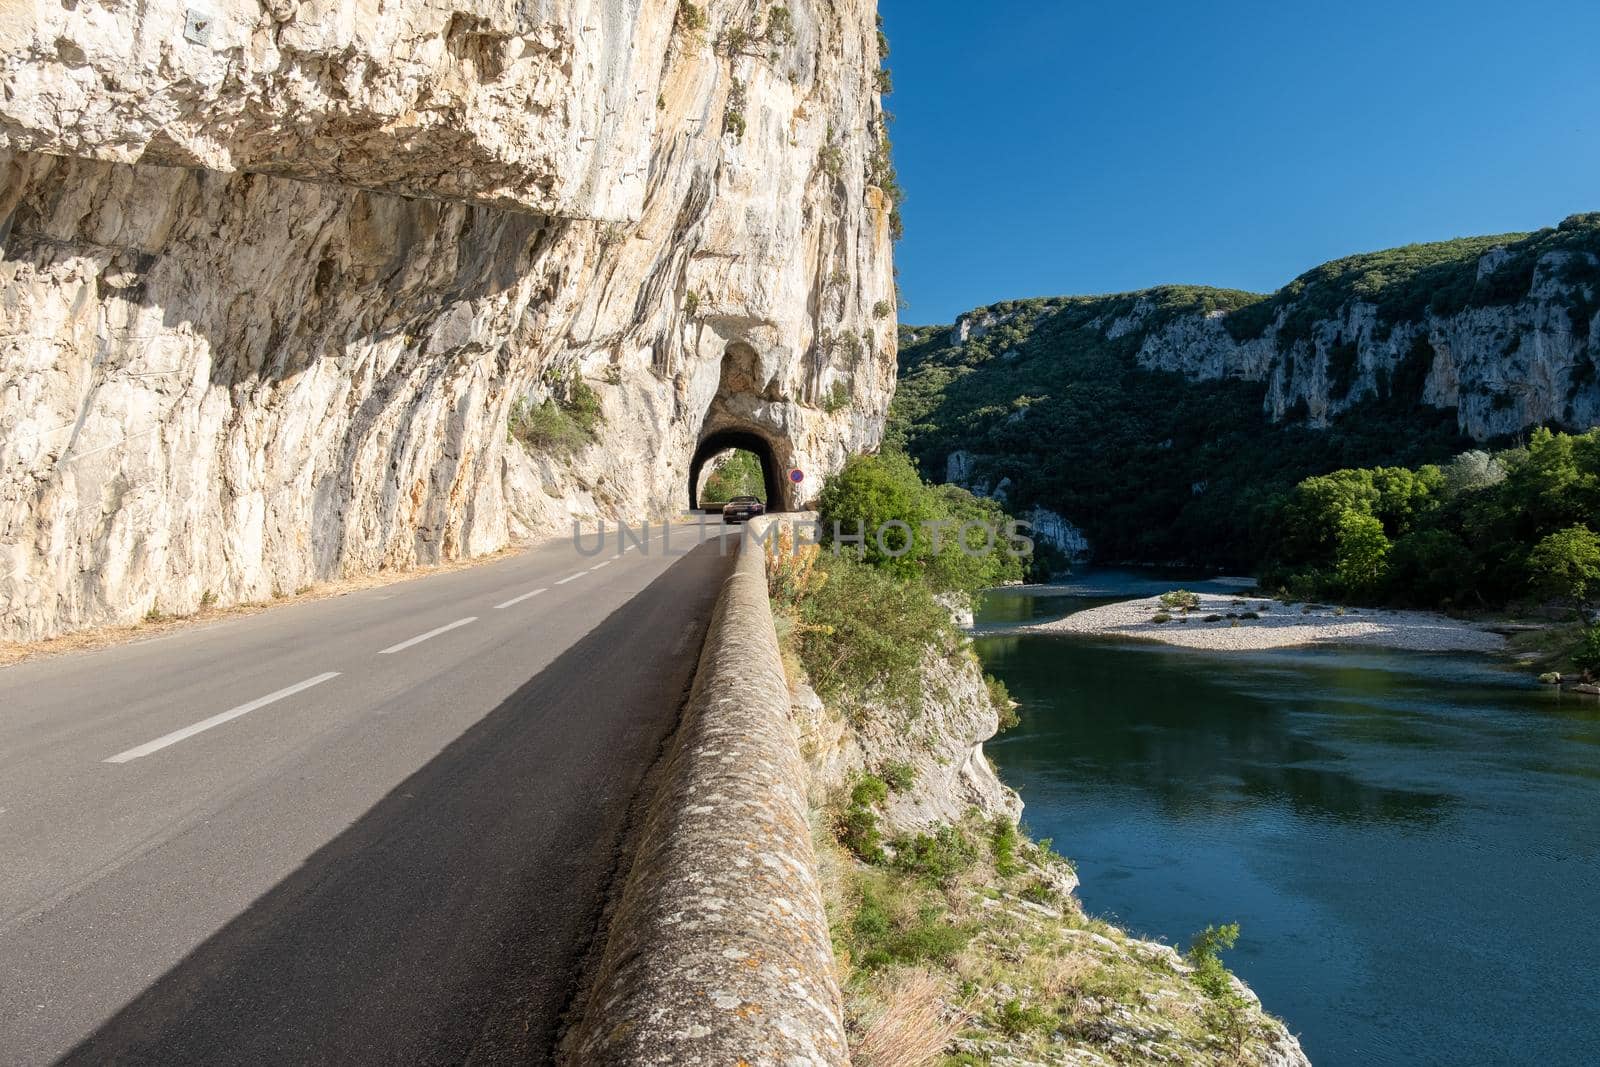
742	509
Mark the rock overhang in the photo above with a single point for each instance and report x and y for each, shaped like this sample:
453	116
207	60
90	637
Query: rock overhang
474	101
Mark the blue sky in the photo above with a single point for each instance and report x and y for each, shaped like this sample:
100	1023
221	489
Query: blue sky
1054	148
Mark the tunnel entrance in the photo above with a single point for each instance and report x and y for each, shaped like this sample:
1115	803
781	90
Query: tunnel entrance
731	474
771	477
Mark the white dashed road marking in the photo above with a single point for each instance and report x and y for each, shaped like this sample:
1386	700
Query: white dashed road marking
244	709
417	640
519	599
217	720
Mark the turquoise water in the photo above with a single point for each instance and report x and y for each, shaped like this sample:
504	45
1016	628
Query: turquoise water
1411	842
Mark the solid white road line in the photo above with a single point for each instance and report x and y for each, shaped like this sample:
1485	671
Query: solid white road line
217	720
519	599
597	566
572	577
417	640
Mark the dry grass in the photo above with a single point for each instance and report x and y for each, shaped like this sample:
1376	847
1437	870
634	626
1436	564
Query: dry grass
784	624
1065	975
913	1028
838	897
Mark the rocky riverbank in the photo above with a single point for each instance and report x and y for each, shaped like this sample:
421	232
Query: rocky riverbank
958	939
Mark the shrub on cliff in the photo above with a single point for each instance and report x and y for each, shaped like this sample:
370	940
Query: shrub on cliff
861	633
938	856
1003	839
1205	956
561	426
857	825
895	925
1004	705
943	535
691	17
1229	1013
898	775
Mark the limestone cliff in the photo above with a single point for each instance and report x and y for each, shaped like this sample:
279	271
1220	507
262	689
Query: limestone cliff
940	747
277	279
1522	358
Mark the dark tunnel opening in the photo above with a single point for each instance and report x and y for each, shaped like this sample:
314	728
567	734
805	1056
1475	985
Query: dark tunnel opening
721	441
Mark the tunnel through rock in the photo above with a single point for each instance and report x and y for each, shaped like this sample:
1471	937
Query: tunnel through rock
747	414
731	473
714	444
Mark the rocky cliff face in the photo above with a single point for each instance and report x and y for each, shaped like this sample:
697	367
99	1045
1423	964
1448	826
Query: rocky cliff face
277	279
1498	328
1502	367
1094	994
939	745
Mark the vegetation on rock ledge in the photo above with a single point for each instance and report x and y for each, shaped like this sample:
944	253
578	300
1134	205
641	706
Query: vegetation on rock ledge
961	943
559	426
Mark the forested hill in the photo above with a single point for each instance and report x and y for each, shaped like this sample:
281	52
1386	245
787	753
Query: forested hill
1162	421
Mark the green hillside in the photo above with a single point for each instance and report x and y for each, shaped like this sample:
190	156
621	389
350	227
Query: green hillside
1156	468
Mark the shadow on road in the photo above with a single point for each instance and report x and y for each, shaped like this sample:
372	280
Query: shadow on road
450	921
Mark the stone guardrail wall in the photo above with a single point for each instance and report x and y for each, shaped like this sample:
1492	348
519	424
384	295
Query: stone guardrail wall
718	951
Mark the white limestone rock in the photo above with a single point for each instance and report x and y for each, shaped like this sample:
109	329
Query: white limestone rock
552	110
1060	534
219	382
1502	368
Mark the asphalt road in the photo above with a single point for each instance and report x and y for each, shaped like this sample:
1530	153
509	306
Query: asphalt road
376	828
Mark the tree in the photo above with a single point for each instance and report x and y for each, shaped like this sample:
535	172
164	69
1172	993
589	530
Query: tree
1361	554
1230	1015
1312	514
983	560
914	530
1406	497
883	501
1587	658
862	632
1473	470
1566	563
1430	567
1556	482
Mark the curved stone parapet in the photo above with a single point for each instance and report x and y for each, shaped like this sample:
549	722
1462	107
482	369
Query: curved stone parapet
719	952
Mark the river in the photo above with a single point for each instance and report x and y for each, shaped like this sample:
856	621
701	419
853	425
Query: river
1409	841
